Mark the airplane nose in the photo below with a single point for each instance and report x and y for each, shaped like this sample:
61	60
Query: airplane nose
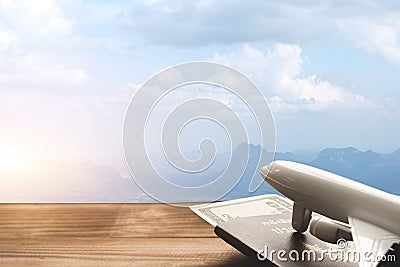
272	173
285	178
270	170
269	173
265	170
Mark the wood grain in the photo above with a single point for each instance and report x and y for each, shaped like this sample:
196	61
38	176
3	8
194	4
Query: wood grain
109	235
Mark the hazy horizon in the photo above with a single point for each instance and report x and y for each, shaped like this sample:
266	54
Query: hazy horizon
76	181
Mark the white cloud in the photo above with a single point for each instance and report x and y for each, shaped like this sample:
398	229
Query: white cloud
119	98
277	73
31	36
29	70
370	25
6	38
376	37
35	18
195	23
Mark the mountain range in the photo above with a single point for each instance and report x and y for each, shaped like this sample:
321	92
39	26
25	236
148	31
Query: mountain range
59	181
379	170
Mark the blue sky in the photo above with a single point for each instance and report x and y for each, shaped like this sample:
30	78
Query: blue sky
330	71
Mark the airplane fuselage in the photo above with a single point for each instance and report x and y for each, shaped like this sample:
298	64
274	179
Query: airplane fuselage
332	195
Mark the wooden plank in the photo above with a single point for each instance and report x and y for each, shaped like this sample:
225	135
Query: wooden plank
119	252
109	235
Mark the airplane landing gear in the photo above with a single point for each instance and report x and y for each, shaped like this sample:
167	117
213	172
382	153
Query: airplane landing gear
300	218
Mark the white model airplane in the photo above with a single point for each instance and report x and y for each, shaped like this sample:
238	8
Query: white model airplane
365	214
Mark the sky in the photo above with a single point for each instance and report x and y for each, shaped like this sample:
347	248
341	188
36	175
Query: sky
68	69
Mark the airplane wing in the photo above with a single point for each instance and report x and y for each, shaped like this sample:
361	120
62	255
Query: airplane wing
371	241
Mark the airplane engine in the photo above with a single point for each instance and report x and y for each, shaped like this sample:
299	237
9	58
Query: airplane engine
329	231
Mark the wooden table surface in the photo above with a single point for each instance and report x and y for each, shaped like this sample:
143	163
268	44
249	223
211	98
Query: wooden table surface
109	235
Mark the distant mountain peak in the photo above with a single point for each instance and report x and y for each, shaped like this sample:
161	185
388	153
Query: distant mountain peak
340	150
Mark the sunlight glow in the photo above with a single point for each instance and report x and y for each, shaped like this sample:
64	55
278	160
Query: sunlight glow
14	159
